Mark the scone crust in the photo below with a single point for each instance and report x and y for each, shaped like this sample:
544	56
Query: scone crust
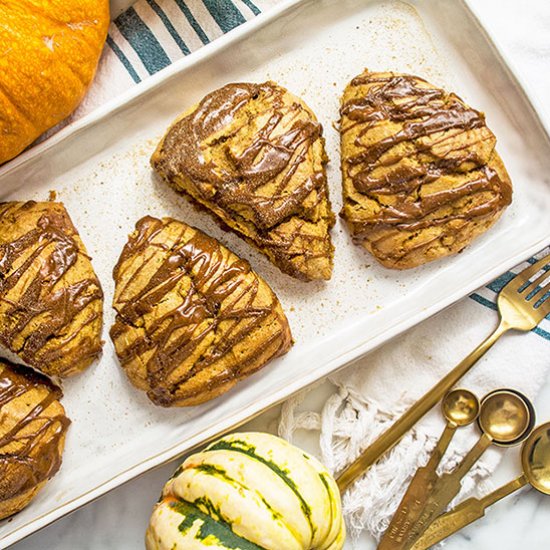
421	176
32	435
254	155
192	318
51	302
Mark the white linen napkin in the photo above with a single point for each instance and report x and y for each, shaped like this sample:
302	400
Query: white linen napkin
372	393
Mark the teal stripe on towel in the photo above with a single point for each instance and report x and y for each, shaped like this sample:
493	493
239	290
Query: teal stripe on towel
225	13
541	332
500	282
192	21
143	41
169	27
254	9
483	301
123	59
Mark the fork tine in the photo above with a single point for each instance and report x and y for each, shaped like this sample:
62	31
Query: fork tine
521	278
544	308
532	286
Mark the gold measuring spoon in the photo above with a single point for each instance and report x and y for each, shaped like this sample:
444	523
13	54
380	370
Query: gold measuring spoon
460	408
535	461
506	418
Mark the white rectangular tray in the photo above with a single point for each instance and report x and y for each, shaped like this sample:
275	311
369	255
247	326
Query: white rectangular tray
99	168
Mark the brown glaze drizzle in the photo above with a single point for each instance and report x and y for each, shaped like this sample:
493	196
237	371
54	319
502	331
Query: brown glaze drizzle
224	290
36	436
47	300
423	117
262	184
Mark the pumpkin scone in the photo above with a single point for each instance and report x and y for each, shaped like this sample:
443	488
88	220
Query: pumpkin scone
421	176
193	319
32	435
254	156
51	302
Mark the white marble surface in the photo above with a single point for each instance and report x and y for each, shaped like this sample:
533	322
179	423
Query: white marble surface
117	521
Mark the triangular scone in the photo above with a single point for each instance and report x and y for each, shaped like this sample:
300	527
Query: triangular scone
421	176
33	426
51	302
192	318
254	155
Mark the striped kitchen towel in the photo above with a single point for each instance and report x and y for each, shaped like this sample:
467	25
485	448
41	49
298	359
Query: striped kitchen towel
152	34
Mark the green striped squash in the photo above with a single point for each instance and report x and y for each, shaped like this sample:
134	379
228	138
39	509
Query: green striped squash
248	491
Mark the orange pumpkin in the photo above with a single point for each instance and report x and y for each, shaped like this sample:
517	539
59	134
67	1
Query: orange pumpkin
49	51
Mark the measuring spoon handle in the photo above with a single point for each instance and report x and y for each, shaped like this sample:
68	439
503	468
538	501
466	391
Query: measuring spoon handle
465	513
413	501
392	436
471	458
445	490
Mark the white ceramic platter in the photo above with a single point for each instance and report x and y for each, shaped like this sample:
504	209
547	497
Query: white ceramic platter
99	169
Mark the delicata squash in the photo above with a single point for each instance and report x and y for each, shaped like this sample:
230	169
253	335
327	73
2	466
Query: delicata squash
248	491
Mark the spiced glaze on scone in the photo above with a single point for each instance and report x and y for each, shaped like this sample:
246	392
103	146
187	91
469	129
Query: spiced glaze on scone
51	302
192	318
254	155
32	435
421	176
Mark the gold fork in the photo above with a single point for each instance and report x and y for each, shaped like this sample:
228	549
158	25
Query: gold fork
522	305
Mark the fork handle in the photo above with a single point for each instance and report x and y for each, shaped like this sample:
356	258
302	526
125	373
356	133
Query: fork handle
394	434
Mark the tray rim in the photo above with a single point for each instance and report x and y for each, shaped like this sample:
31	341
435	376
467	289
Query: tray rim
240	417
